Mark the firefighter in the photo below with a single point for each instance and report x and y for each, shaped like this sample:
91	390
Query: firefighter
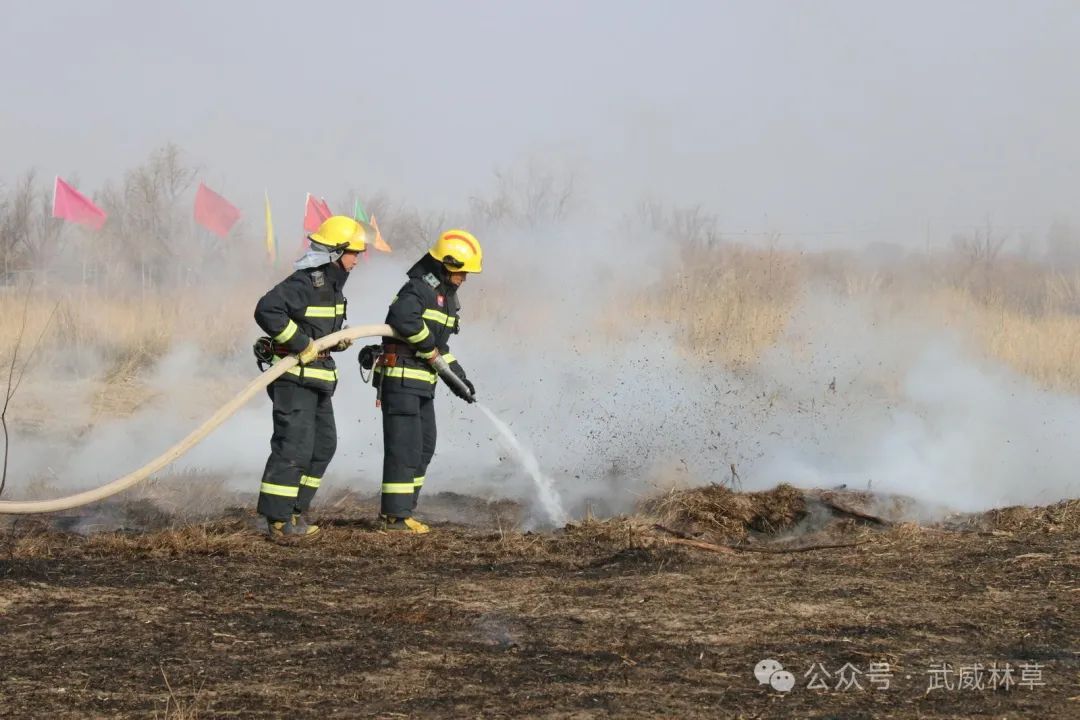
303	307
425	314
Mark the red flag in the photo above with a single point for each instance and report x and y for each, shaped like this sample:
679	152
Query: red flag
315	211
71	205
214	212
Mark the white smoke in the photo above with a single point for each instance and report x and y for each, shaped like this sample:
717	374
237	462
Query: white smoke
851	394
919	414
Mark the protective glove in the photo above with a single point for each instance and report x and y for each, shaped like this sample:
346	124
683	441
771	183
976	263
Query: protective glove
342	345
308	354
460	392
455	367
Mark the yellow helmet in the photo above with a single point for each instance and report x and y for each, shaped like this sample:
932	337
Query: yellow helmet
459	251
341	232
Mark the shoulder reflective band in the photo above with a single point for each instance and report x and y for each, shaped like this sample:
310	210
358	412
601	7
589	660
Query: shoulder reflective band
282	490
320	311
418	337
286	334
440	317
404	372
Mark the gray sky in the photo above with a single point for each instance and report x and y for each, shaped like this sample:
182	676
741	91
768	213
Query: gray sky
796	116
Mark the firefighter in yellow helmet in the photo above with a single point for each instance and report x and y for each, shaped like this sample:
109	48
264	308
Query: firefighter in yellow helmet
303	307
425	314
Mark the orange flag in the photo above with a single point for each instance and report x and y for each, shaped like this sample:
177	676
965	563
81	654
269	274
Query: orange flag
380	244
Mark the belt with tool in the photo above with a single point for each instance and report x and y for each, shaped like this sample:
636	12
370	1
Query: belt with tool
393	352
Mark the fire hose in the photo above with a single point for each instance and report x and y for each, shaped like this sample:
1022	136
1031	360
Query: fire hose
28	507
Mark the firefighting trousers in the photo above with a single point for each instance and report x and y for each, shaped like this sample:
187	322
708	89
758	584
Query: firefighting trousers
303	443
408	445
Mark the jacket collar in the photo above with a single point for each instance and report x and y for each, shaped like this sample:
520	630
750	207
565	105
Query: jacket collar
428	265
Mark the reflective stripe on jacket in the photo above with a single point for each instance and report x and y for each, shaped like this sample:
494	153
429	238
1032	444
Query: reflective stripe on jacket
425	313
307	305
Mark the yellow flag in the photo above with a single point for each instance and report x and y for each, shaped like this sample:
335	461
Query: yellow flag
380	244
271	246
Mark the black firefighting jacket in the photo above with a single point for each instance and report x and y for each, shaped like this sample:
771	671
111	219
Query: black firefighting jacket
305	306
425	312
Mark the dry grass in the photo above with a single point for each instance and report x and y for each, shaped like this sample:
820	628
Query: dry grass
1043	345
729	303
114	342
215	539
724	513
38	541
179	707
1062	516
32	539
715	512
129	332
726	302
591	622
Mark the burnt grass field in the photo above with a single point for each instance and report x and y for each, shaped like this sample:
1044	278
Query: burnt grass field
662	614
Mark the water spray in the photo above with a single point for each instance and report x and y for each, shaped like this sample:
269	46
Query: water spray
545	487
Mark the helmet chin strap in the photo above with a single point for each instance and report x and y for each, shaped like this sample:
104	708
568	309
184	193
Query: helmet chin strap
340	257
335	252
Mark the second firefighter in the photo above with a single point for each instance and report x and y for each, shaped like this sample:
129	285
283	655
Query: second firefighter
425	314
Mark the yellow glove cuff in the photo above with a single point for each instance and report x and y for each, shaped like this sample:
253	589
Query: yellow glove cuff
308	354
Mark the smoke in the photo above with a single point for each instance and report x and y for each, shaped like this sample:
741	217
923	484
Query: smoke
854	393
916	412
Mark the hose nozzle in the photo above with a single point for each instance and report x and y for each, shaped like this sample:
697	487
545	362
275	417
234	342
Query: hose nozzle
450	378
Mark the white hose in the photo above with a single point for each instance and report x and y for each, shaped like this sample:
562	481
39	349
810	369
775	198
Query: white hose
29	507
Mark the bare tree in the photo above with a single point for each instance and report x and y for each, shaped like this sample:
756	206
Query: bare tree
27	228
979	251
5	211
146	219
16	373
1063	244
694	228
981	247
530	197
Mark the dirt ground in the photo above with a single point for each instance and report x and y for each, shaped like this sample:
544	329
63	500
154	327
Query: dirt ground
617	618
